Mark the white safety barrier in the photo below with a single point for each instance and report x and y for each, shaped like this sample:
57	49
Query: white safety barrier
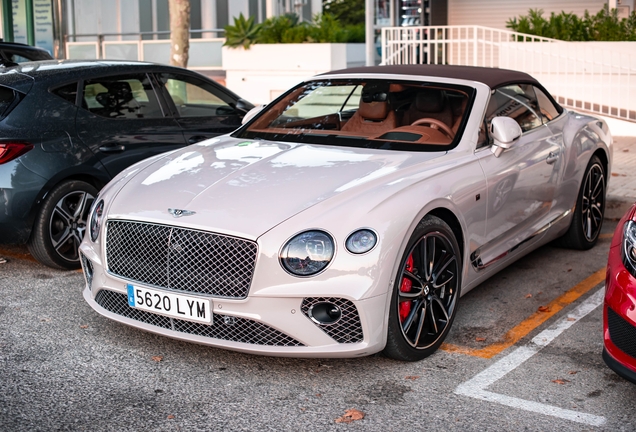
205	53
594	76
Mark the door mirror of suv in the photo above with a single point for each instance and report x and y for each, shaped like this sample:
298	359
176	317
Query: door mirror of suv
243	106
505	132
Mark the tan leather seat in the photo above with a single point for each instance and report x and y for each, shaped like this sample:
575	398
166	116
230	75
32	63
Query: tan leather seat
430	103
374	116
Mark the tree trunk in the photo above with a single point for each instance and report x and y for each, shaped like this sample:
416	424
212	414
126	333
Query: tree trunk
179	32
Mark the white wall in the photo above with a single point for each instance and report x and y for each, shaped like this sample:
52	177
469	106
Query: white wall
495	13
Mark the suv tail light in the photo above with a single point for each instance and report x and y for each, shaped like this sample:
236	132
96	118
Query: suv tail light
10	151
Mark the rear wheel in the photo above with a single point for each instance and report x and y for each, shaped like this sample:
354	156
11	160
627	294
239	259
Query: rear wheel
590	208
61	223
426	292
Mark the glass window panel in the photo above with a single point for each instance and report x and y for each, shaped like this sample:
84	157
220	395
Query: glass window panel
546	108
128	97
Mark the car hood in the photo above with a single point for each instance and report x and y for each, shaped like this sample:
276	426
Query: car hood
244	188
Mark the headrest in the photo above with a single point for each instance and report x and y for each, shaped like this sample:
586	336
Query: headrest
373	101
375	92
120	89
374	110
396	88
430	100
457	104
106	100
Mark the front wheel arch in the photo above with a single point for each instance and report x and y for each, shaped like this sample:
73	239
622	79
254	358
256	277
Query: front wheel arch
449	217
96	179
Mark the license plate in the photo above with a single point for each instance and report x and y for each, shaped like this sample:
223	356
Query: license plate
167	303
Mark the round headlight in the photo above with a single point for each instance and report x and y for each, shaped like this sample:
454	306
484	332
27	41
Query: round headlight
307	253
96	220
361	241
629	247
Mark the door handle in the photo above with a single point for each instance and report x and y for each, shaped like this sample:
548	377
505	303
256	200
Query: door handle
195	139
552	158
112	148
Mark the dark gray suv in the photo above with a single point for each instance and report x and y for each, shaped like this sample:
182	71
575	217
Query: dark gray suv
68	127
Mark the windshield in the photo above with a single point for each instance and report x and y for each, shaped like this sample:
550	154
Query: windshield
399	115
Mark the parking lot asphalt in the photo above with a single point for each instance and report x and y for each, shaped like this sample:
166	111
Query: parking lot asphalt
64	367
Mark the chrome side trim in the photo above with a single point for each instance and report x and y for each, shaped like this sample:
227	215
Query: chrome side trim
475	258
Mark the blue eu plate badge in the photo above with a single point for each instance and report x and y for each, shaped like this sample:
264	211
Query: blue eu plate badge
131	295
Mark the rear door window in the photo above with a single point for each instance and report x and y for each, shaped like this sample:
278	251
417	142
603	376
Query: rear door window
67	92
121	97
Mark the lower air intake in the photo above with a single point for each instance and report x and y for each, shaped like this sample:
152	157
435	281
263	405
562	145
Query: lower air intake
224	327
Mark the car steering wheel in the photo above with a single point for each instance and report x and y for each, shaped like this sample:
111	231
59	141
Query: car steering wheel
435	124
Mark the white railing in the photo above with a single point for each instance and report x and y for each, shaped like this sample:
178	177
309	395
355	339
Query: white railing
594	76
205	53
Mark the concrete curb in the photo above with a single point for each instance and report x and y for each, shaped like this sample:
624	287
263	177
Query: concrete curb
617	206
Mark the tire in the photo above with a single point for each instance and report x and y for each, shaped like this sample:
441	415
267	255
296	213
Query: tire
589	211
61	223
424	302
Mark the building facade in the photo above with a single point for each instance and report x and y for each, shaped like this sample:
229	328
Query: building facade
128	18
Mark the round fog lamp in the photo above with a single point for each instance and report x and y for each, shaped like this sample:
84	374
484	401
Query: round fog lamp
361	241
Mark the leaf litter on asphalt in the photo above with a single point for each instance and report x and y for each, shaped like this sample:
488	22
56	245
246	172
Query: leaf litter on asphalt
350	415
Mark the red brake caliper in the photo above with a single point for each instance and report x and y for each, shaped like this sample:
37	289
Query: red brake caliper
406	286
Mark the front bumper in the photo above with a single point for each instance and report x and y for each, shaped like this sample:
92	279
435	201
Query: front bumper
619	317
267	325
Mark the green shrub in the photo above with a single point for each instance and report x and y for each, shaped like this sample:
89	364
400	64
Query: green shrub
603	26
348	12
242	33
324	28
281	28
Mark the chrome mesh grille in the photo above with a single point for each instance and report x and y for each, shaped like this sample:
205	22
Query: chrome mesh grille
223	327
622	333
346	330
180	259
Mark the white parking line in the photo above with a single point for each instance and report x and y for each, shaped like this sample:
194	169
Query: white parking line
476	386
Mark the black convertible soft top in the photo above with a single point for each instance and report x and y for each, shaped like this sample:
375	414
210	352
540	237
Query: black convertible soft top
492	77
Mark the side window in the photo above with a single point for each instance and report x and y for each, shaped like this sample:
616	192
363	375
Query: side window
516	101
196	98
546	108
67	92
7	96
121	97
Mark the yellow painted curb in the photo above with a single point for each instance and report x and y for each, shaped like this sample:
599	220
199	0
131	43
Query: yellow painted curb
532	322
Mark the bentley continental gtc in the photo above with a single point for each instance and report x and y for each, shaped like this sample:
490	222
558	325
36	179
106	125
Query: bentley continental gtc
349	215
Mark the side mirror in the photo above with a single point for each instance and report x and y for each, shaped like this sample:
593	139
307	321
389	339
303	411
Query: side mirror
252	113
505	131
243	106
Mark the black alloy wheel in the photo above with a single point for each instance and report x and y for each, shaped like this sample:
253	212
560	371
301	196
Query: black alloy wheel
593	202
426	293
61	224
589	211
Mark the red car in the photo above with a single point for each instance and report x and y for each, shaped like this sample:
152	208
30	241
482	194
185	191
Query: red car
619	310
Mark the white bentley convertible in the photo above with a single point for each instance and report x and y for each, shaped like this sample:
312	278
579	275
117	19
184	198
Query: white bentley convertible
349	215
